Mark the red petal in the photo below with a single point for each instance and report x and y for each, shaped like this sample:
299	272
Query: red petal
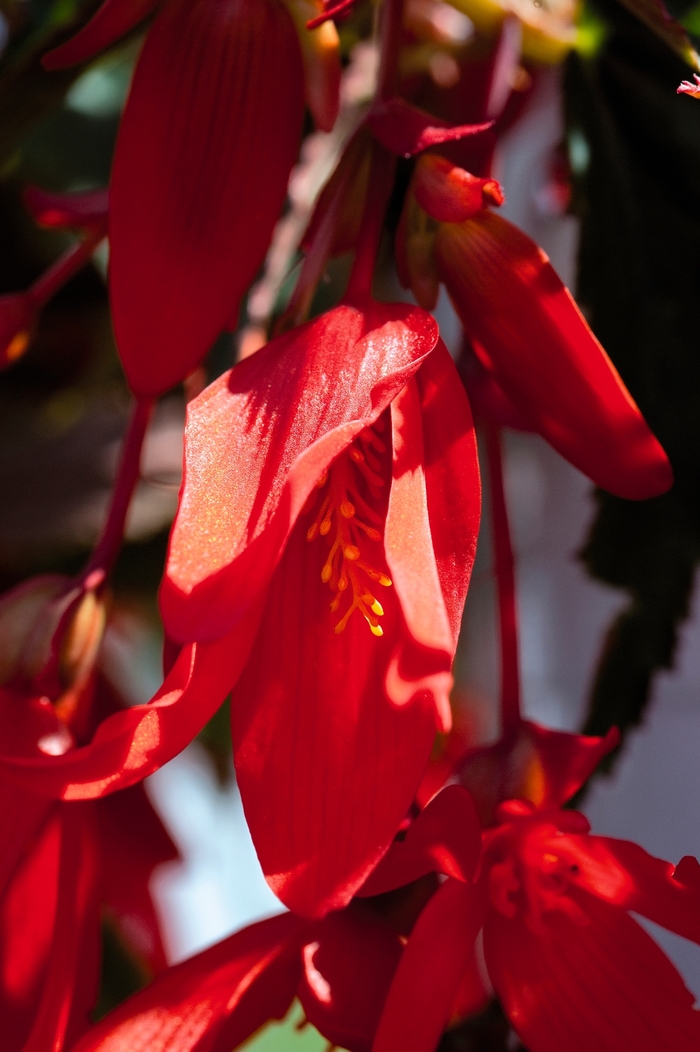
600	984
70	983
452	480
445	838
258	439
133	841
405	130
326	764
438	953
625	875
536	764
27	913
134	742
349	963
214	1000
67	211
545	356
111	22
208	137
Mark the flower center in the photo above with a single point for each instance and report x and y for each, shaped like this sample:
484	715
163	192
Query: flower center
352	522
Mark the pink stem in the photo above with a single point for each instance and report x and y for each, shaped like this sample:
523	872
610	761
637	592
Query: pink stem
128	473
64	268
505	583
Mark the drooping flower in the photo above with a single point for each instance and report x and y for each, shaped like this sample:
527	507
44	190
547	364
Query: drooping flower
525	329
339	458
207	140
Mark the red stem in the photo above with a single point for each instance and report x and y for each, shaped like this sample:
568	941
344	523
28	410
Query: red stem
381	177
64	268
391	38
505	584
128	474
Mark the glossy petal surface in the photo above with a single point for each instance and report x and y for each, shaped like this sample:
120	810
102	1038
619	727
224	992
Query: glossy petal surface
214	1000
259	438
207	140
600	983
545	357
438	953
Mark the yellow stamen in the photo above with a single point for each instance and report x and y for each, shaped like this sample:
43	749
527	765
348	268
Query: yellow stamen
345	570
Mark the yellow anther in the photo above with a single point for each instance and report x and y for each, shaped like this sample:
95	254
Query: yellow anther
344	567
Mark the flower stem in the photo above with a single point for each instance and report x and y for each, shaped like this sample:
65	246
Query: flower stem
381	177
390	40
505	584
128	473
64	268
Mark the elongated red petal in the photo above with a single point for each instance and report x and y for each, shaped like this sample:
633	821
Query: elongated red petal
134	742
208	138
259	438
438	954
111	22
27	914
405	130
545	357
71	979
133	841
452	479
600	984
444	838
214	1000
327	765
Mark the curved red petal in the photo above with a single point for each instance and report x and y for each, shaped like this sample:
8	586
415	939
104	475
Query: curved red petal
110	22
327	765
405	130
601	983
428	978
134	742
452	478
444	838
258	439
545	356
348	966
208	138
214	1000
624	874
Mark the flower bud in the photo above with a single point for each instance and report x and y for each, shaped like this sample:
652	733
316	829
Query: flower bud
450	194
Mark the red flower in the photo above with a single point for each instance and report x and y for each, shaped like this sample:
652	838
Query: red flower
340	457
340	968
209	134
526	329
63	864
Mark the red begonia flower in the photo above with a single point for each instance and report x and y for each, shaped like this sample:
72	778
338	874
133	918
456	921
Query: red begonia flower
334	461
360	706
525	324
206	143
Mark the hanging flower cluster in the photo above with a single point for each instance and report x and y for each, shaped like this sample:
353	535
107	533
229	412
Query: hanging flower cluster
318	568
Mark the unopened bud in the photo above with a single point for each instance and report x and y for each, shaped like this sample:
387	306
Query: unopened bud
451	194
